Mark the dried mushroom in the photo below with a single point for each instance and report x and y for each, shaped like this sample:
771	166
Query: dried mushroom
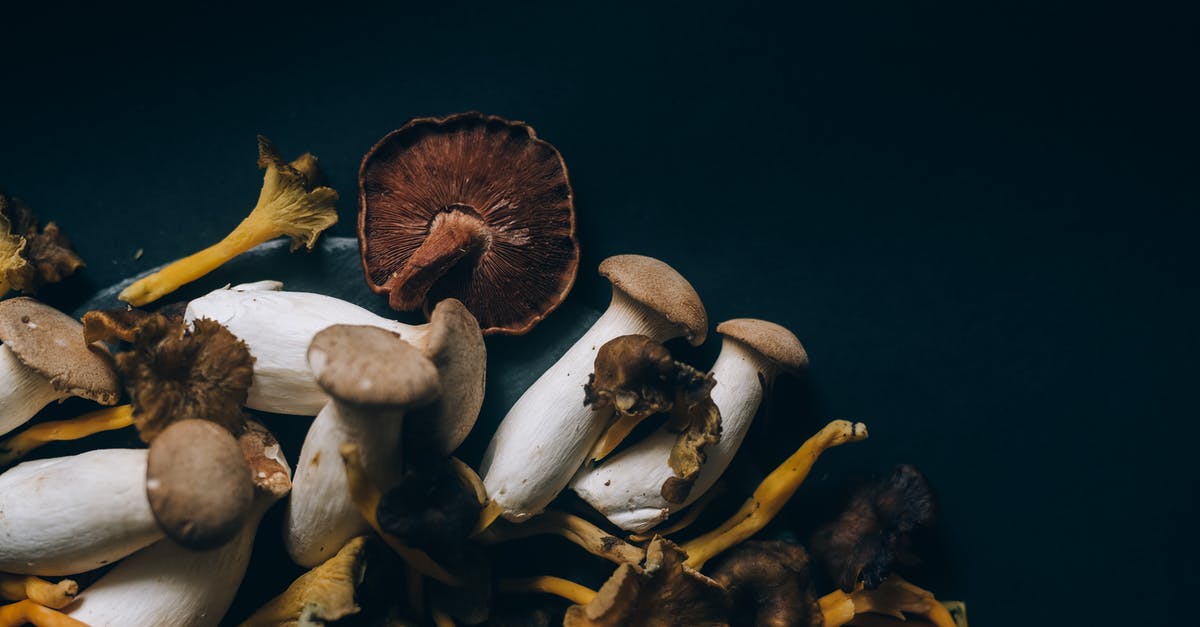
323	594
31	256
430	508
770	585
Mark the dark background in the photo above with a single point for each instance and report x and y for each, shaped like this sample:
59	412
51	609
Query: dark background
979	219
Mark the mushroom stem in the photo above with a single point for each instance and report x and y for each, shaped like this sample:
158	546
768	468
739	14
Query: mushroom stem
569	590
52	595
615	434
107	419
366	498
573	528
772	494
29	613
23	392
453	234
440	618
894	597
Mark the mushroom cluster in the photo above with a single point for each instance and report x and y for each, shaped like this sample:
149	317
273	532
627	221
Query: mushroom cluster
618	448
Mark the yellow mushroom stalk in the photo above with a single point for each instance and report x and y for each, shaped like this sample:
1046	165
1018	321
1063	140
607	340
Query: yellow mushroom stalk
323	594
29	613
289	204
772	494
591	538
564	588
52	595
895	597
21	444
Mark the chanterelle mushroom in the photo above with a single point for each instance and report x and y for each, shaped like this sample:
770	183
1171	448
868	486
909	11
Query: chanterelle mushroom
629	488
373	378
548	433
472	207
323	594
289	204
44	358
31	255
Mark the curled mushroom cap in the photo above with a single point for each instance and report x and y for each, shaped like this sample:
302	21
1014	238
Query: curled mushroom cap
659	287
472	207
51	343
770	585
42	254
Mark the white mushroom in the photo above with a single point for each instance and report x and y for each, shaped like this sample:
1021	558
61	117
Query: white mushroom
43	359
278	326
548	432
627	488
167	585
74	514
373	378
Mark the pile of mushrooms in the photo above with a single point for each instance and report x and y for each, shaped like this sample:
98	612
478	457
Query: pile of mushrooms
618	448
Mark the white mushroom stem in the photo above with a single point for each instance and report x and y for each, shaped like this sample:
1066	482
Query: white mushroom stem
548	432
278	326
627	488
320	517
23	392
74	514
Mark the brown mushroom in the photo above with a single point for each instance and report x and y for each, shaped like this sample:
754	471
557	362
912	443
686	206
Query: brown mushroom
198	484
473	207
44	358
31	255
770	585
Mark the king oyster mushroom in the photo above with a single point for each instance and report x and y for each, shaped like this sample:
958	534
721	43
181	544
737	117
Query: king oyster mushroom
73	514
43	359
631	488
168	585
278	327
548	433
373	378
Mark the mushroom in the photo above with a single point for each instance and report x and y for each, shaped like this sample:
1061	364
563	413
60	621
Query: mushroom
373	378
278	327
874	530
30	255
893	598
28	612
770	585
430	507
168	585
73	514
43	358
548	433
323	594
289	204
52	595
13	265
631	488
472	207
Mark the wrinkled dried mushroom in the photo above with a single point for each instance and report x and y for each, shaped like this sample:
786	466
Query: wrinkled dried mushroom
31	256
770	585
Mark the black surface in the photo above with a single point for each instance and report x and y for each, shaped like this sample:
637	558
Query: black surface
979	220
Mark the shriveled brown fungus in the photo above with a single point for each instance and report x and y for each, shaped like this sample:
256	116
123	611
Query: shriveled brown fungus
865	541
325	593
30	255
473	207
770	585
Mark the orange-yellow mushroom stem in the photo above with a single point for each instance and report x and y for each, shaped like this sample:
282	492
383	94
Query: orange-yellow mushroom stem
490	514
366	499
21	444
615	434
569	590
441	619
52	595
591	538
894	598
29	613
772	494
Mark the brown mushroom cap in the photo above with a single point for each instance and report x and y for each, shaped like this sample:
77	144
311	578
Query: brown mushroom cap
659	287
768	339
369	366
473	207
198	483
51	343
455	346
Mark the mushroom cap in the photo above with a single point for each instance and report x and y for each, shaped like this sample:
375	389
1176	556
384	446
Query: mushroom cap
455	345
659	287
373	367
492	169
51	343
770	340
198	483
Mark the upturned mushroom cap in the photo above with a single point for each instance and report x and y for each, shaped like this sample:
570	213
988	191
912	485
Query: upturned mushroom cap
473	207
770	340
369	366
51	343
198	484
659	287
455	345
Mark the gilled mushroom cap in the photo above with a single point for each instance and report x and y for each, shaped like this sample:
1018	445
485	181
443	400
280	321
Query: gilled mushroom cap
51	343
455	346
659	287
769	339
473	207
198	483
369	366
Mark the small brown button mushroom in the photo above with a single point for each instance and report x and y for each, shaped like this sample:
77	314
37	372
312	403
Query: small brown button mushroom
198	484
472	207
44	358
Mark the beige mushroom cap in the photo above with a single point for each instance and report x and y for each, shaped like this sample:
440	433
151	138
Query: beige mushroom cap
455	345
369	366
198	484
659	287
770	340
51	343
